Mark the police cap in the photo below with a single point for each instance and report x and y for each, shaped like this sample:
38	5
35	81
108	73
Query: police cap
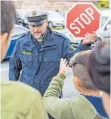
36	17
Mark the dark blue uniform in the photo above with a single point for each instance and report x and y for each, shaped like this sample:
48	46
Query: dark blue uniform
39	62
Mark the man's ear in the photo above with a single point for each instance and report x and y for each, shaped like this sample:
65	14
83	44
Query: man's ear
3	45
4	38
77	83
46	21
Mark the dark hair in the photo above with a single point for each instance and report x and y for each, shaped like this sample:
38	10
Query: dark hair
99	66
80	71
78	64
7	16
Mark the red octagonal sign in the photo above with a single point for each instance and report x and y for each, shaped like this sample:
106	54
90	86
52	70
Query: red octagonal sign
82	18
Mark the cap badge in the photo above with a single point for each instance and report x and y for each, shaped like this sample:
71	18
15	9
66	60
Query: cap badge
34	13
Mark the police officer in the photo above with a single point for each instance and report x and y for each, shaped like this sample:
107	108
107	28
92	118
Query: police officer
36	57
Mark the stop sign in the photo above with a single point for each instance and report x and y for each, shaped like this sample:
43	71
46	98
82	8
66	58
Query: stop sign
82	18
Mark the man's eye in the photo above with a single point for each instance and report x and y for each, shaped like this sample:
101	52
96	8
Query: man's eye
39	25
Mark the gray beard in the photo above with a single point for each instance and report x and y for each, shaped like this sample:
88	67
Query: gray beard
40	39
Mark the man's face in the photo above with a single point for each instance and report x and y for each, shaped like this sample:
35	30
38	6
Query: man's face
38	31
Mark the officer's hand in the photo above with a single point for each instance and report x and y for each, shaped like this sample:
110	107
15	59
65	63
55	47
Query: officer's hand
89	38
63	66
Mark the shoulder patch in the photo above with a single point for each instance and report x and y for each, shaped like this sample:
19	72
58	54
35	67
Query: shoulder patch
26	52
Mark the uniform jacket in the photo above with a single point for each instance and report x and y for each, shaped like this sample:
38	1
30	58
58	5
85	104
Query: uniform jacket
39	62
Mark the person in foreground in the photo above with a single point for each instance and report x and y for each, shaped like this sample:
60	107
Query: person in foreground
99	70
18	101
77	108
97	63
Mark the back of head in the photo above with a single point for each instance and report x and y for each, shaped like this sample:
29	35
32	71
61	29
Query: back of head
7	16
99	66
80	71
78	64
7	21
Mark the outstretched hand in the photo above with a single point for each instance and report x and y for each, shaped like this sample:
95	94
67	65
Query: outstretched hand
63	66
89	38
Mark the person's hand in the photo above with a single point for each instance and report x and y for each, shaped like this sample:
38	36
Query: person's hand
89	38
63	66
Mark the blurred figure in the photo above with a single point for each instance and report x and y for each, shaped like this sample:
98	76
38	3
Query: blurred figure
77	108
18	101
99	70
7	21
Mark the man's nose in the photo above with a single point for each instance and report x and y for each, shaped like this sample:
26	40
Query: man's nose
36	29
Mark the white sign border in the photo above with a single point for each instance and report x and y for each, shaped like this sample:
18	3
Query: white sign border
71	9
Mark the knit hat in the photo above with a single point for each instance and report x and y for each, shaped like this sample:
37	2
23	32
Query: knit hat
99	66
